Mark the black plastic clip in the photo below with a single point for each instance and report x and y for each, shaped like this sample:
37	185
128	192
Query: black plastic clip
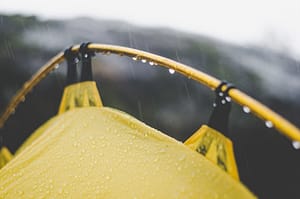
72	58
220	116
86	57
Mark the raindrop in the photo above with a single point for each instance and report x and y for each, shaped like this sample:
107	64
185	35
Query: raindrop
76	60
228	99
76	144
56	66
221	94
144	60
135	58
171	71
246	109
60	190
223	101
182	158
179	168
296	144
20	193
86	55
269	124
214	105
151	63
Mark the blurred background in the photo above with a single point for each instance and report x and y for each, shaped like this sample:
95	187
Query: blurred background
255	45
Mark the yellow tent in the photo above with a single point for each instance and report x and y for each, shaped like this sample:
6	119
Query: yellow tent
99	152
91	151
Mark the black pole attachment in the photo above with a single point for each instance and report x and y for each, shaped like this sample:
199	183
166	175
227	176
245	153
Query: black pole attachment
72	59
219	118
86	58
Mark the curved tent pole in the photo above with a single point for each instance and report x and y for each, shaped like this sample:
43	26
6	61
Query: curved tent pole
257	108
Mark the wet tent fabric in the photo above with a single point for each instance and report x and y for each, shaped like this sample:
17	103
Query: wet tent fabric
216	147
104	153
5	156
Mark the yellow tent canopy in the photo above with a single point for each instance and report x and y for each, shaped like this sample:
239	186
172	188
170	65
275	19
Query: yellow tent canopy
104	153
91	151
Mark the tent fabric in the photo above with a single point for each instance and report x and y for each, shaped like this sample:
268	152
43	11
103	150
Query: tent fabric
99	152
215	147
82	94
5	156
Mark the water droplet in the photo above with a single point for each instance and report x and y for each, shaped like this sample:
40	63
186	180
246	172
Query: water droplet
228	99
144	60
60	190
171	71
182	158
86	55
20	193
76	60
221	94
56	66
151	63
296	144
246	109
269	124
214	105
223	101
135	58
76	144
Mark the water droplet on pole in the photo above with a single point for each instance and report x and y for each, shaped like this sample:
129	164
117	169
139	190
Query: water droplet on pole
246	109
76	60
228	99
144	60
269	124
171	71
296	144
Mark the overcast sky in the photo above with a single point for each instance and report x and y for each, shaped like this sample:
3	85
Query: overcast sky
267	22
